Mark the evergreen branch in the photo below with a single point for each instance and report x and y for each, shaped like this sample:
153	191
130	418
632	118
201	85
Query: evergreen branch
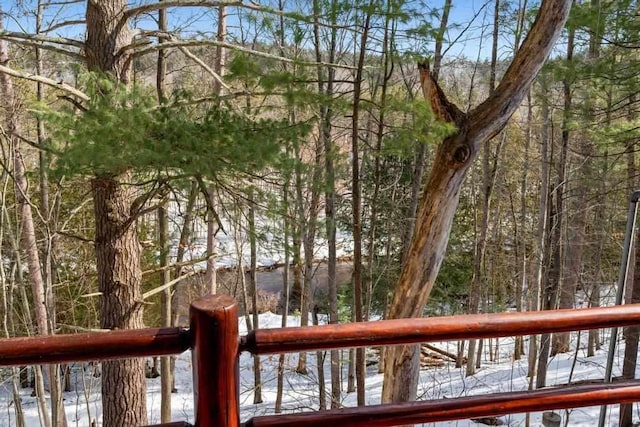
186	43
45	80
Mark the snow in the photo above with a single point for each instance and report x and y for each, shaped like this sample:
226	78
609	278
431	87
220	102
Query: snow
503	375
232	242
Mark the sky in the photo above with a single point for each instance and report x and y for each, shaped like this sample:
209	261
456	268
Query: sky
468	35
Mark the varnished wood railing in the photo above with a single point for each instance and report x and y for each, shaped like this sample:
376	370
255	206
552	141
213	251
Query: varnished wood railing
213	337
94	346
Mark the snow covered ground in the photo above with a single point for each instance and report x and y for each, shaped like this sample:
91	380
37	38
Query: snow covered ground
83	403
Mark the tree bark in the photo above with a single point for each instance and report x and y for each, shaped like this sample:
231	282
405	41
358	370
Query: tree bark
419	164
166	313
325	87
440	196
119	280
116	242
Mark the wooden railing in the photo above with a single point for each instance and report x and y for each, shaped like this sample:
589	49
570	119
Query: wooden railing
213	337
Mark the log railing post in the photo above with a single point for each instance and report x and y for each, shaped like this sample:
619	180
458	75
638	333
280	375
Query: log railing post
214	328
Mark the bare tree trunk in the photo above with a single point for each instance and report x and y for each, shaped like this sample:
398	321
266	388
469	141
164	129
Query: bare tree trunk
577	227
185	236
630	334
356	198
253	281
308	241
479	280
37	380
594	291
166	371
594	342
541	235
5	308
557	217
166	374
219	67
285	286
632	294
320	356
572	276
325	87
351	373
210	279
27	224
521	260
49	249
298	291
440	197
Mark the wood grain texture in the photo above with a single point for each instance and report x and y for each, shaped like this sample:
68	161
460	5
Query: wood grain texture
93	346
405	331
461	408
214	326
174	424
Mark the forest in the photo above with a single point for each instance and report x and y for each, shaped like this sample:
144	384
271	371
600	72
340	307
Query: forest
338	161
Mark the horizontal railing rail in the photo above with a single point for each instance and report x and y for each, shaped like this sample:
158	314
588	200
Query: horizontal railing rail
459	408
91	346
406	331
216	345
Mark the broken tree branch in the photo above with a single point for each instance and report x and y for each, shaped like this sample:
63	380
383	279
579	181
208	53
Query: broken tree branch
47	81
